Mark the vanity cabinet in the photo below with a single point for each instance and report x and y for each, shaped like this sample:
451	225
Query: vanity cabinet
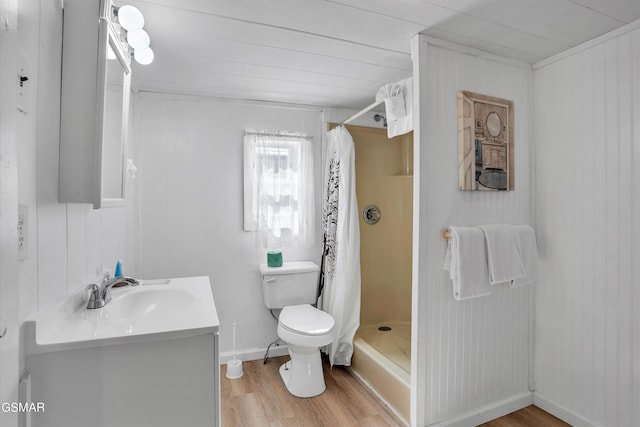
94	115
148	358
152	383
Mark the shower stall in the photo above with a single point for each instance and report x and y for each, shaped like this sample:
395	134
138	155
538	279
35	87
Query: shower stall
384	187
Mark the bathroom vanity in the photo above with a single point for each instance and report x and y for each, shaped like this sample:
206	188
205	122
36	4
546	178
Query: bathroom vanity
148	358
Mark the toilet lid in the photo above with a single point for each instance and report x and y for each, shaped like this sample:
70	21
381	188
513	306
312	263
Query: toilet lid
305	319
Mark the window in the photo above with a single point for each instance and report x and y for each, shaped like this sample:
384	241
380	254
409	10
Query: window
278	188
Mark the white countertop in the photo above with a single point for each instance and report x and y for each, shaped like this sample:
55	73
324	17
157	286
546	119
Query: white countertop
156	309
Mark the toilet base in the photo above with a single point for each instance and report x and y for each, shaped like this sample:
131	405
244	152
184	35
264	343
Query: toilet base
302	375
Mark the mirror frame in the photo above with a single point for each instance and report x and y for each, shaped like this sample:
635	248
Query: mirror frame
109	38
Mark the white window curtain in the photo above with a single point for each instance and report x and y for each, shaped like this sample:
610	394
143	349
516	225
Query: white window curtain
279	188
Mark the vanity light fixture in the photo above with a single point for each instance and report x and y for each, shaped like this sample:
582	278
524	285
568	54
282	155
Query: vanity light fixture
132	22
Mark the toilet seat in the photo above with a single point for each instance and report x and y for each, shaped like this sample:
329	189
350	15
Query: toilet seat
304	319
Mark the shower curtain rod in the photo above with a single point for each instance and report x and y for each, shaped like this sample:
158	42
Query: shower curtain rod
361	112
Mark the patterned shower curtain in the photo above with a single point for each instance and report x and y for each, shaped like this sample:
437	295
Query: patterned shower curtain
341	292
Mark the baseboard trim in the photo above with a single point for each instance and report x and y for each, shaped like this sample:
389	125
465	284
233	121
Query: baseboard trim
489	412
255	353
561	412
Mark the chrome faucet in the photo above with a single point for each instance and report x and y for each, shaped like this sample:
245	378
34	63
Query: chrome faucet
101	295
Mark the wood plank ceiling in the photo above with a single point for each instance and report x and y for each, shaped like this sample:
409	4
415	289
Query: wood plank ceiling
337	53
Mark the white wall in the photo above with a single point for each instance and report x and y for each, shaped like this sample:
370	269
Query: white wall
469	355
587	113
8	211
191	202
67	243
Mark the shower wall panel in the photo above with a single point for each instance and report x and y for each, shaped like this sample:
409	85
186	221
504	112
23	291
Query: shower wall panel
384	178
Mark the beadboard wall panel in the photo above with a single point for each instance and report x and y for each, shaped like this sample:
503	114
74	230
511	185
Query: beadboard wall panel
587	113
475	353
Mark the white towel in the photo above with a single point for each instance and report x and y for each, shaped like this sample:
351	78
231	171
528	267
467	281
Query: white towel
394	107
528	246
503	253
398	101
467	263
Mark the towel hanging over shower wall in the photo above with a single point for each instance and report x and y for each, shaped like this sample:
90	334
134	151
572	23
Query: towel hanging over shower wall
398	102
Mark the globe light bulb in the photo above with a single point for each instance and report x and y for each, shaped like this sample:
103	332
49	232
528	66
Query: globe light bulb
130	18
143	56
138	39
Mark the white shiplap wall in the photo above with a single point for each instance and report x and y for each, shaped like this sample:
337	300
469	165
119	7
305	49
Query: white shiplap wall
587	113
191	203
472	356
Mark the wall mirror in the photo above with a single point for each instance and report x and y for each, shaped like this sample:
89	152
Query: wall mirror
485	142
115	126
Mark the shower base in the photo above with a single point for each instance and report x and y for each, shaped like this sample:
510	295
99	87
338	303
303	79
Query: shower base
382	359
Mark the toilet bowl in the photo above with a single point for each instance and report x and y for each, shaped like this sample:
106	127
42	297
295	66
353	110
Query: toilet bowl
305	329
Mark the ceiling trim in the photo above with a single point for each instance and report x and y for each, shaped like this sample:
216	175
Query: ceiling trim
150	94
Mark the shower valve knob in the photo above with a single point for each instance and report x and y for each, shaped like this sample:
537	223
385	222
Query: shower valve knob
371	214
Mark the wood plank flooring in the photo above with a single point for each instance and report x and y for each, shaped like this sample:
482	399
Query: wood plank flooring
531	416
259	398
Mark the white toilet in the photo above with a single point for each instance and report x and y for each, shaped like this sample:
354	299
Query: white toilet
305	329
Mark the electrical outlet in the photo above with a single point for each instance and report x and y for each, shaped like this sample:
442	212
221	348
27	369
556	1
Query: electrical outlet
23	221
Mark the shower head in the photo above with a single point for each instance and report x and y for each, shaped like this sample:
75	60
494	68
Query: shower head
379	117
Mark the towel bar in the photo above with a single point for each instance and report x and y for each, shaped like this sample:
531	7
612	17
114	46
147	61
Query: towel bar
445	234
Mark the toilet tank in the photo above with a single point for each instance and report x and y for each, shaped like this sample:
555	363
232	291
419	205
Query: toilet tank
293	283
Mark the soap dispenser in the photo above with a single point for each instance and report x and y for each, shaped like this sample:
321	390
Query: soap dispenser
118	272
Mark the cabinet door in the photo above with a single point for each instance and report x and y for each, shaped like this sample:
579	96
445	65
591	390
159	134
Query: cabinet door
96	76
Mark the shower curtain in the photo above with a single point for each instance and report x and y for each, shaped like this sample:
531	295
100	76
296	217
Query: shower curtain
341	291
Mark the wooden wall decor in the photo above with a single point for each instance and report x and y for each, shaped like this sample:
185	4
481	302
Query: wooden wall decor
485	142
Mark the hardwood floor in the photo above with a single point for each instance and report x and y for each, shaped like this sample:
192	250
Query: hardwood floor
259	398
531	416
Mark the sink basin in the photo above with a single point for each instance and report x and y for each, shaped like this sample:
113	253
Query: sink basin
148	301
172	308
